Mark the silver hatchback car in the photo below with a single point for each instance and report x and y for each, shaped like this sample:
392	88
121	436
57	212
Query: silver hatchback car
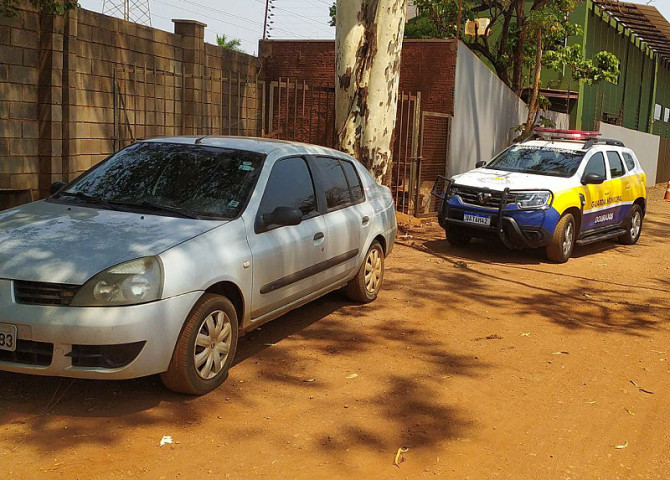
156	260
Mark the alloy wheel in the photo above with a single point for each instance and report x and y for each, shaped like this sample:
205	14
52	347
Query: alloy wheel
212	345
373	270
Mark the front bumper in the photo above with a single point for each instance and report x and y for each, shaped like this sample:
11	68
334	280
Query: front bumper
62	331
515	227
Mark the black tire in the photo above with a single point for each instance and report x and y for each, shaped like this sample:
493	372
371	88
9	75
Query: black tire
365	291
182	375
633	226
456	237
562	242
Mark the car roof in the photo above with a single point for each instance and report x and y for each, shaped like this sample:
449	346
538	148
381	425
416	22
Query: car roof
253	144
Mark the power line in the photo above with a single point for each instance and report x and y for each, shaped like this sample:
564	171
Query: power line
222	21
293	13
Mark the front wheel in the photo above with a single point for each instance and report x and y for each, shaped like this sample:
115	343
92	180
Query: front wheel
365	286
562	241
205	349
633	227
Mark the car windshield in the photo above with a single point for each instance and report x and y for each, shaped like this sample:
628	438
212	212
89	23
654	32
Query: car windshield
171	179
551	161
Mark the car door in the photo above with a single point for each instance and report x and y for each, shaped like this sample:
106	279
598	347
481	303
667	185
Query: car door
286	259
348	216
595	202
615	189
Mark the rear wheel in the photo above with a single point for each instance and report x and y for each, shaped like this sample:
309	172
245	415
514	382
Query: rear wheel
365	286
205	349
456	237
633	226
562	242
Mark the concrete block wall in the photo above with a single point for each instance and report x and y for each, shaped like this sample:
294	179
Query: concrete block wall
60	77
19	100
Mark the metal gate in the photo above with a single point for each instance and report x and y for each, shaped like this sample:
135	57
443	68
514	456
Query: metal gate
301	112
154	103
404	173
433	160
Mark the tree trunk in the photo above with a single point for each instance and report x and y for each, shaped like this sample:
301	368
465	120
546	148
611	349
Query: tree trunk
368	41
533	103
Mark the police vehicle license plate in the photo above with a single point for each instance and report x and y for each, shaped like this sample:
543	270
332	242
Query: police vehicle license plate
7	337
477	218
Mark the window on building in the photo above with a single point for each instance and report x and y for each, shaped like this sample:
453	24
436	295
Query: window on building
666	114
658	110
616	165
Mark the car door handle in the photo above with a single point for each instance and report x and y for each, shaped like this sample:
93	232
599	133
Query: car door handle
628	186
318	236
366	219
607	192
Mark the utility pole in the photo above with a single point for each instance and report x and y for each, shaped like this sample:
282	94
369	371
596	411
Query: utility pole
458	20
138	11
265	23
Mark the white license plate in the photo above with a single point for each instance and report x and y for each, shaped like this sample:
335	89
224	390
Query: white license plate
477	218
8	337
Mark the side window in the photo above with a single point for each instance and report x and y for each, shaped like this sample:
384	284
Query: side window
596	165
353	180
335	183
616	165
628	158
290	185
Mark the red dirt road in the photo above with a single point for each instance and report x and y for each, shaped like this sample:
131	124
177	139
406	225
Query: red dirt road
485	363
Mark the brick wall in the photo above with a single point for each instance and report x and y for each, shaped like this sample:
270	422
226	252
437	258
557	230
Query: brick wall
428	66
61	77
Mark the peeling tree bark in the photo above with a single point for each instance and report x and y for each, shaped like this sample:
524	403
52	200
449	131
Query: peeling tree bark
368	41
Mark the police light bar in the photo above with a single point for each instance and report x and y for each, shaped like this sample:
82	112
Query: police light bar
566	134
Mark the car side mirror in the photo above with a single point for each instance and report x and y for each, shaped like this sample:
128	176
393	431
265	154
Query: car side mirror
480	164
283	216
55	187
593	179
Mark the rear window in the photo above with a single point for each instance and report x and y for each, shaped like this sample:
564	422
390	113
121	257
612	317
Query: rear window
549	161
353	180
628	158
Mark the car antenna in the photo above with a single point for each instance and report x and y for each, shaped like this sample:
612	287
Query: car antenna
199	140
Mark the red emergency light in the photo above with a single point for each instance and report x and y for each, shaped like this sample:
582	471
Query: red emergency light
566	134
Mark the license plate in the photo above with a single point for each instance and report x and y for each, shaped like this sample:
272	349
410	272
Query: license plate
7	337
477	218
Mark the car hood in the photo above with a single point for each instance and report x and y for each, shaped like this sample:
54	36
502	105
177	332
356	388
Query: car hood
500	180
52	242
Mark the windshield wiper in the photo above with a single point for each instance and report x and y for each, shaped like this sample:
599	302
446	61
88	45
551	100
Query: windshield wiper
88	198
144	204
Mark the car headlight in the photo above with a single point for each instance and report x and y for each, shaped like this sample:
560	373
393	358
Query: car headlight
537	199
130	283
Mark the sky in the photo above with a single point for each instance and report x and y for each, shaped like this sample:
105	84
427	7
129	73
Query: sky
243	19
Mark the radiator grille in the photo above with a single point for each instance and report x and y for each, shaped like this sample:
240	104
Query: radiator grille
481	197
39	293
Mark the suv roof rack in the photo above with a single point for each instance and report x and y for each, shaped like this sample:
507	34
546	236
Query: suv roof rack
603	141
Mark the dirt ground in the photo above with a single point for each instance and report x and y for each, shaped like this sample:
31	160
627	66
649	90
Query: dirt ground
484	363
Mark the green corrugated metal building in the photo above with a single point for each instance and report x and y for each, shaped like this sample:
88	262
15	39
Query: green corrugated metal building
640	38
